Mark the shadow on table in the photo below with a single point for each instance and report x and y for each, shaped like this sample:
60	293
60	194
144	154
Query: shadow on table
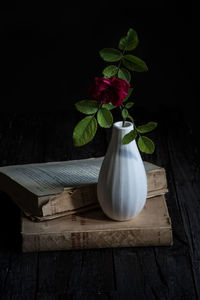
95	214
10	224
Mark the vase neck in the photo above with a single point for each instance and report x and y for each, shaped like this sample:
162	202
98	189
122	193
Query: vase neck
118	127
119	131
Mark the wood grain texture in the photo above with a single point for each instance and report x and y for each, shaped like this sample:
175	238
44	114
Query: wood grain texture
4	268
22	275
86	270
129	273
184	156
153	275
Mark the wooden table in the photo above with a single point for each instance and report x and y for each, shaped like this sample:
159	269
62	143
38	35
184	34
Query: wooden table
123	273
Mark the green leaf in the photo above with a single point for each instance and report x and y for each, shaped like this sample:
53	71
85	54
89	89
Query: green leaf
128	95
147	127
104	118
129	105
129	137
124	113
87	106
134	63
110	71
146	145
130	118
124	74
84	131
110	54
130	41
108	106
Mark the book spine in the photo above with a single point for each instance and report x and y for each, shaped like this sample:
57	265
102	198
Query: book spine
156	180
99	239
70	200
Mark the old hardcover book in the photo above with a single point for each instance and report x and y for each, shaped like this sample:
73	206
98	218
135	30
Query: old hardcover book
48	190
92	229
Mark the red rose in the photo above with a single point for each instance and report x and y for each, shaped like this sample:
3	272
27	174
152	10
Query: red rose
107	90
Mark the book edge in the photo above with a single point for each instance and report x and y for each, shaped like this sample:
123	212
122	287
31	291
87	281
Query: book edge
76	244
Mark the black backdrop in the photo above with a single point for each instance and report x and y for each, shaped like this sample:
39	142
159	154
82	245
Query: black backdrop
50	54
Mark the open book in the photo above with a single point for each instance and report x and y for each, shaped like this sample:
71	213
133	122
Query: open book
48	190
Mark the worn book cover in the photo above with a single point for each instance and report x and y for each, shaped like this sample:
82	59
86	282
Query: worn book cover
92	229
48	190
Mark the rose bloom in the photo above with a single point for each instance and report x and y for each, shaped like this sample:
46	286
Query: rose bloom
108	90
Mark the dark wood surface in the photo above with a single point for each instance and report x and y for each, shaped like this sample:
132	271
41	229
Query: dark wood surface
121	273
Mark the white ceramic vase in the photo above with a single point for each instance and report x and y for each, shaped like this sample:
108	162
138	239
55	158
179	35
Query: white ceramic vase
122	183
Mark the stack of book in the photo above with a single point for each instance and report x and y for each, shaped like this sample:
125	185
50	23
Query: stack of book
61	211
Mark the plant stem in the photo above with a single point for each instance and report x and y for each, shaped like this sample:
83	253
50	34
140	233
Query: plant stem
119	64
123	121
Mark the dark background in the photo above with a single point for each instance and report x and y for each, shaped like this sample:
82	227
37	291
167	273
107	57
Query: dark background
49	57
50	54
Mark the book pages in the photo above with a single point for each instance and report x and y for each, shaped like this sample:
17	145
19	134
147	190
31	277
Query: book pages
52	178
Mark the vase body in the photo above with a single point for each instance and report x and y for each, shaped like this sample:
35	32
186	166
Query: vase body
122	182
